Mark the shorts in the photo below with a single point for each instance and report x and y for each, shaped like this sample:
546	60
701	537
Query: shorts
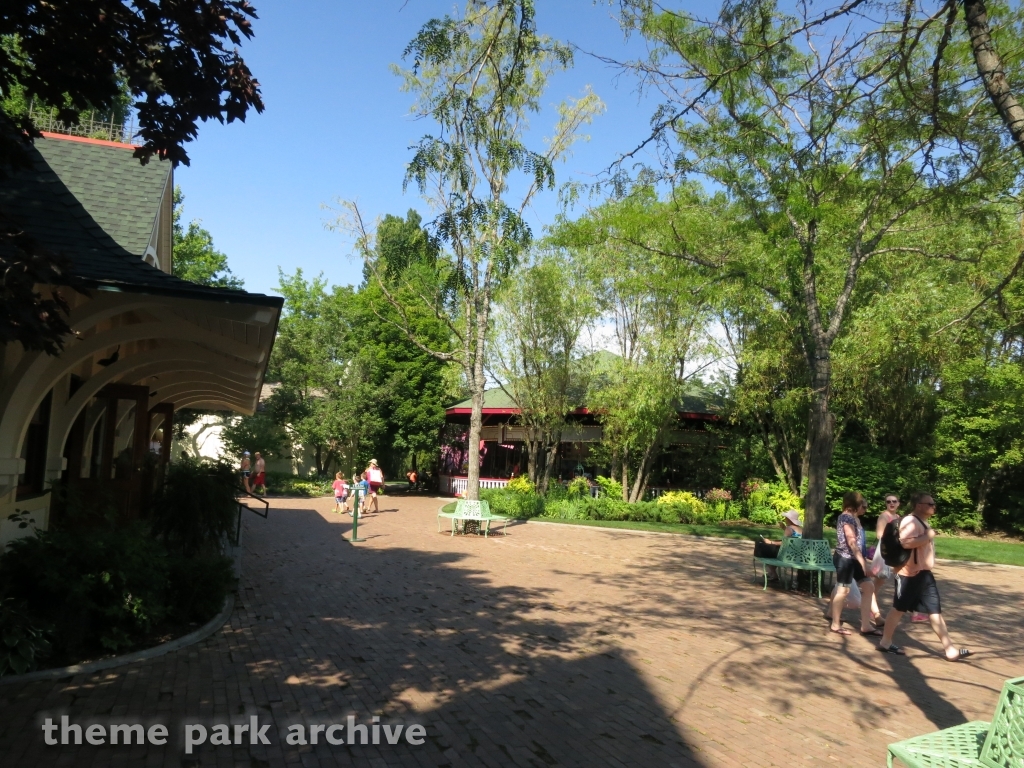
260	479
374	487
917	593
246	472
848	570
339	499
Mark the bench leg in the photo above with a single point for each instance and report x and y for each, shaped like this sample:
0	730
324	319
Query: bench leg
487	528
764	572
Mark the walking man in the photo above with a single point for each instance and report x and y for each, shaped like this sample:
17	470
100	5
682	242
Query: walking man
246	471
916	589
259	483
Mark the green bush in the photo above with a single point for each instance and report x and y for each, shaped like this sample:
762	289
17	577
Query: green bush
610	489
197	587
22	644
520	484
513	503
195	510
578	488
284	484
98	589
764	515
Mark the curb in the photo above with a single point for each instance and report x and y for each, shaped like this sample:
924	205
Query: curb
170	646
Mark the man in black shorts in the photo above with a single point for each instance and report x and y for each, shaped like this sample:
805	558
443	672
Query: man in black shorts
916	589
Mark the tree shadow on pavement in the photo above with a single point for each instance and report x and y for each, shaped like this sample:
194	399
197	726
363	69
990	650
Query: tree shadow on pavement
324	629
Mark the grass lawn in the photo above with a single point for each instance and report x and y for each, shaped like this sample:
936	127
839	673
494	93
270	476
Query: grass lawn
948	547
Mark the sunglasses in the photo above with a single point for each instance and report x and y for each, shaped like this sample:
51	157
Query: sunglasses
892	501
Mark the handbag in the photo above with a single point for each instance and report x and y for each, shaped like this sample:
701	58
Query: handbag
765	550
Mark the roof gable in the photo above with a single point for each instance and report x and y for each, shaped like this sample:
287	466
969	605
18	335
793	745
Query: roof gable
110	182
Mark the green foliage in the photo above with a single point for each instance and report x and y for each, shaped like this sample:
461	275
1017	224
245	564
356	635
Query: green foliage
259	432
520	484
874	471
194	256
760	515
99	589
285	484
684	498
514	503
611	489
197	586
578	488
195	510
22	643
603	508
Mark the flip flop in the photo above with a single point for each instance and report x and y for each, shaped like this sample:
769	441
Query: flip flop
962	654
893	649
872	633
840	631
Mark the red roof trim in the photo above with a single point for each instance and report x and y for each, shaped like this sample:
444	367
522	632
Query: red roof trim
86	140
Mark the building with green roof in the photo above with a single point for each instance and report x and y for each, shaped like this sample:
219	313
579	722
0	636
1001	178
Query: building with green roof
145	343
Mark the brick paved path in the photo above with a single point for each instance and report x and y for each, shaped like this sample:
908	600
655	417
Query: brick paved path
554	646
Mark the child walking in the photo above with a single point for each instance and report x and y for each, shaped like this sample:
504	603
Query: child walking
340	493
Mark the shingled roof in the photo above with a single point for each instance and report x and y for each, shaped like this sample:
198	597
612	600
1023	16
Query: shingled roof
73	201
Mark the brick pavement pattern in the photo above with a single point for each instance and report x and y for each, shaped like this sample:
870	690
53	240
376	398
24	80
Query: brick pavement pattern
553	646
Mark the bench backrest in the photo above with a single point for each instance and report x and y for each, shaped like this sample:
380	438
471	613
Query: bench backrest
1004	746
806	551
472	509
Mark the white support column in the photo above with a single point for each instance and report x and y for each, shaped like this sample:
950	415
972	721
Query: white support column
55	461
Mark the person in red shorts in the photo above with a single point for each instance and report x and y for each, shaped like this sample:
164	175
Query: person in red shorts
375	478
259	480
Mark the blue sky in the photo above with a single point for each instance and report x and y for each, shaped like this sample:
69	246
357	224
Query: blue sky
337	125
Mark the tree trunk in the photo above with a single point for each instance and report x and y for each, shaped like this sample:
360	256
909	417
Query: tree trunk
613	471
640	482
549	463
990	67
476	425
532	449
821	440
625	474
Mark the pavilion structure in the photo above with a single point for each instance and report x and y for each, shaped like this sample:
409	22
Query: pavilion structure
145	344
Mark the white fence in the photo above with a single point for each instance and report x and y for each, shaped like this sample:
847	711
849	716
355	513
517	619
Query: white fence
455	485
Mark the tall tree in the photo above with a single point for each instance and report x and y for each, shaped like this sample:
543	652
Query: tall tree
833	142
194	257
478	76
539	356
658	312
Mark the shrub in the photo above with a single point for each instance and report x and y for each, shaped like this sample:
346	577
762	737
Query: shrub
285	484
610	489
520	484
22	644
782	499
765	516
717	496
513	503
195	509
686	499
98	589
198	586
578	488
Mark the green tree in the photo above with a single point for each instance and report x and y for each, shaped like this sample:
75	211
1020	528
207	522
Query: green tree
540	361
479	77
658	313
194	257
836	153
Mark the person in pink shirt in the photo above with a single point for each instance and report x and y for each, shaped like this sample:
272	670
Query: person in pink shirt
340	493
916	589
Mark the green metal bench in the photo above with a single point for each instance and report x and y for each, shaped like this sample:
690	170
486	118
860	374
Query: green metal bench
475	511
999	744
800	555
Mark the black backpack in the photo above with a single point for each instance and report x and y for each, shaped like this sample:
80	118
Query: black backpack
894	553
